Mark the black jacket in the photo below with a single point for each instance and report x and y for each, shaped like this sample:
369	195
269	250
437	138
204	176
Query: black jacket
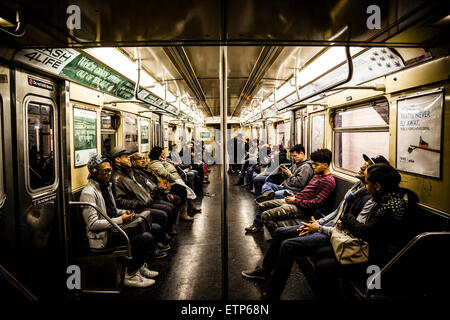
128	193
387	229
146	179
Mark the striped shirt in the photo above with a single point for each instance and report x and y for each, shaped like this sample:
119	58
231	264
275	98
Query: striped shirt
316	192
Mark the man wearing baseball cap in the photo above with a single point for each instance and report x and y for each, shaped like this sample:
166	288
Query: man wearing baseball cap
98	192
130	194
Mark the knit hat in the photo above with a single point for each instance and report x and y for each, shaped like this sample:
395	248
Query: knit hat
94	161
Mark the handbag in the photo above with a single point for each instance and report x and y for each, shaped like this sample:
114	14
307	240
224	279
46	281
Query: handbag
163	183
347	248
182	174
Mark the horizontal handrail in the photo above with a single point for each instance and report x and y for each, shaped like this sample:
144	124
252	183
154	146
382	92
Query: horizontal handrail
401	253
109	220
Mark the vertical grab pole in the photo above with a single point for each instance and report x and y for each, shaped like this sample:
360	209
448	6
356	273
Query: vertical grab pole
223	122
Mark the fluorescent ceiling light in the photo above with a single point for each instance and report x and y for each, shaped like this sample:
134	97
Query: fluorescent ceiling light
117	61
285	90
331	58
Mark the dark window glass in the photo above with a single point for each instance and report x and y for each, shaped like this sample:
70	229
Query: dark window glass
41	145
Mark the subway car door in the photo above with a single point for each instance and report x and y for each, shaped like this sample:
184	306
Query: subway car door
38	176
8	235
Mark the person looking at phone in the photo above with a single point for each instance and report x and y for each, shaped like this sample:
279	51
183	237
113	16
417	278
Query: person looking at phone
311	200
306	238
296	177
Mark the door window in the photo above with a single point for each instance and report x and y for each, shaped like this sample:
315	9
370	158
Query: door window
41	145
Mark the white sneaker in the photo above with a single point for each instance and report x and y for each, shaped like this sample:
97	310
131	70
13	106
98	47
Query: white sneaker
146	272
136	280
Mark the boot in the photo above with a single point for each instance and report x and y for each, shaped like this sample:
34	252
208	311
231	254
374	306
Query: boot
192	207
184	215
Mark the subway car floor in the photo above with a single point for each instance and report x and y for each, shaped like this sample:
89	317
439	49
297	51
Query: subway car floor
193	269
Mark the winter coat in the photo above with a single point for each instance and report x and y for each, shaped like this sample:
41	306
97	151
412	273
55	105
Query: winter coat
96	225
164	170
129	194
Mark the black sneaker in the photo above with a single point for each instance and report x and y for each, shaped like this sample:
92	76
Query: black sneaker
265	196
163	247
159	254
258	273
173	233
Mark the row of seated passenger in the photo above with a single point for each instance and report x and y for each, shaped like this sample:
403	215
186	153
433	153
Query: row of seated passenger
374	210
144	200
189	161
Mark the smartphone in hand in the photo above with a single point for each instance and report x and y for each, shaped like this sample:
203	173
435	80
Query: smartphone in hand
287	194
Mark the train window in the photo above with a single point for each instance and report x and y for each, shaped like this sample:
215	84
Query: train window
145	135
298	130
317	131
164	136
130	132
41	145
108	142
262	134
280	134
360	130
109	124
305	134
109	120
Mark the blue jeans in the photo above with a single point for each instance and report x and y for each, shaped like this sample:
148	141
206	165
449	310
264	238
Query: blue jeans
249	176
279	190
285	246
258	182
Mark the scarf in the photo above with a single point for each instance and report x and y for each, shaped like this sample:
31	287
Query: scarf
111	209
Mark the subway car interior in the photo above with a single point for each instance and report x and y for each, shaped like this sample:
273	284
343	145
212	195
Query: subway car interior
224	150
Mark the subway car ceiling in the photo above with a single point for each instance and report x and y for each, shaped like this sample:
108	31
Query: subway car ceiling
294	58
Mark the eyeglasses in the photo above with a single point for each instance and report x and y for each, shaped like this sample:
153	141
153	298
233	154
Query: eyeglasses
105	170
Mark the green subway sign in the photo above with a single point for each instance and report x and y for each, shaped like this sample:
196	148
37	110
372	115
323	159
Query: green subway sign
74	66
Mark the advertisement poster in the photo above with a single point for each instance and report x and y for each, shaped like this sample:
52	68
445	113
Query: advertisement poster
419	128
144	136
85	131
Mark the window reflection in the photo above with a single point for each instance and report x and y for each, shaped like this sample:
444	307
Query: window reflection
41	161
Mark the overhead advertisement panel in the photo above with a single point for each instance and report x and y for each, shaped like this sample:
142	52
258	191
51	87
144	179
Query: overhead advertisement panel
74	66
